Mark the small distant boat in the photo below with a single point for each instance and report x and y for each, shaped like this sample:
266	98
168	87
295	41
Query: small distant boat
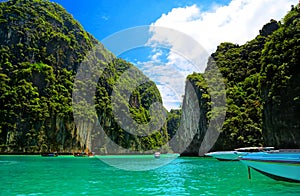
91	154
83	154
280	165
49	154
234	154
157	155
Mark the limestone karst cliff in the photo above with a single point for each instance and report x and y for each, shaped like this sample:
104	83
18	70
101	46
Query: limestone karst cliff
262	90
41	48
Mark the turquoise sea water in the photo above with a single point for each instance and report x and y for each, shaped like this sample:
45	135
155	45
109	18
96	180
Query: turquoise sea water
68	175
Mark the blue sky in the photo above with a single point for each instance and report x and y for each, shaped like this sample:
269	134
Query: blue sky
104	17
207	22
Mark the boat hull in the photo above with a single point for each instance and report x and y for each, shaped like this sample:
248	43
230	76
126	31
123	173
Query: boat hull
279	166
225	155
49	155
234	154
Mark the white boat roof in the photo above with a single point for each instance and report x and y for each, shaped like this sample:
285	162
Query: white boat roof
254	148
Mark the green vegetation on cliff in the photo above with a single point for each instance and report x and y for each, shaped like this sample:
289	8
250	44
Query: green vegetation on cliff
240	66
262	79
280	84
41	48
117	112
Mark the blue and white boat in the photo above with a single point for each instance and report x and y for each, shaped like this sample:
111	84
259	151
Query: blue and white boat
225	155
234	154
280	165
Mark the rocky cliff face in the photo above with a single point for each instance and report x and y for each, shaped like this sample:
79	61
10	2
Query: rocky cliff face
262	90
281	84
203	111
190	133
41	49
269	28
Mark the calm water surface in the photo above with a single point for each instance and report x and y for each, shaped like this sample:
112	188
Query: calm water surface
67	175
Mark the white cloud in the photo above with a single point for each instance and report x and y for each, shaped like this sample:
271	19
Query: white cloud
169	80
237	22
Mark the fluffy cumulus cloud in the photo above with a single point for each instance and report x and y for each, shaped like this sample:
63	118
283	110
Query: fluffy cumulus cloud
237	22
169	80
